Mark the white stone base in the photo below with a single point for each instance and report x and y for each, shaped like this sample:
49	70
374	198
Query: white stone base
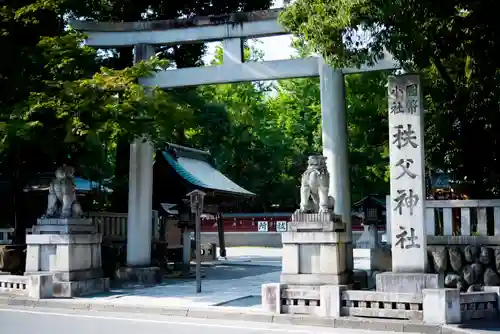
441	306
316	251
80	288
323	301
63	252
66	249
406	282
315	258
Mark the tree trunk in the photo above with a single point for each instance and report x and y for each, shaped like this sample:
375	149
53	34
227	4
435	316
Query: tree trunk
18	209
119	202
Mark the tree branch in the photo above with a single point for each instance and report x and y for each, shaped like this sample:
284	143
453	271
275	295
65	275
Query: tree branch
442	71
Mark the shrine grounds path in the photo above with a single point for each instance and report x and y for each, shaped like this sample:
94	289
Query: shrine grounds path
18	320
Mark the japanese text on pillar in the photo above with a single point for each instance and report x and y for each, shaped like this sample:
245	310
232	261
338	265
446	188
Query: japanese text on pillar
404	101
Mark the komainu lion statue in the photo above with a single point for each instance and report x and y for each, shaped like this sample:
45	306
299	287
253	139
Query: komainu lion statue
314	187
62	201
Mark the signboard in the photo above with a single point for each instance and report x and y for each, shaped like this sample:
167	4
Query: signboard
281	226
262	226
441	181
406	148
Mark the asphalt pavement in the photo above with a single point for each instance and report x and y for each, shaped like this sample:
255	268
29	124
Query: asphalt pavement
53	321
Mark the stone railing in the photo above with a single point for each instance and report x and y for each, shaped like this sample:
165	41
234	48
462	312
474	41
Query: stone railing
459	217
432	306
5	236
113	225
478	305
301	301
14	285
381	304
33	286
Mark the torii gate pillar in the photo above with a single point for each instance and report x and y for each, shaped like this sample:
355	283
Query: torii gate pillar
334	138
140	203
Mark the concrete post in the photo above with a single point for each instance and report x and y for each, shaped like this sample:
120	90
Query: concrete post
441	306
40	286
197	233
495	289
139	226
186	247
220	231
271	297
331	300
334	136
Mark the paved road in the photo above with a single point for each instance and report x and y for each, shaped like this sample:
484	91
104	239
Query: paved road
52	321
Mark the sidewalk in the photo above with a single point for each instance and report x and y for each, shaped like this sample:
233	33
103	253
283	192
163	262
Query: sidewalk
235	282
221	285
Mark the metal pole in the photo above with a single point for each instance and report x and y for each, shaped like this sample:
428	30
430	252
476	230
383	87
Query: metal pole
220	230
198	248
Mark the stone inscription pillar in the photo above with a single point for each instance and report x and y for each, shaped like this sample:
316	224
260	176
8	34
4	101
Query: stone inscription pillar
407	196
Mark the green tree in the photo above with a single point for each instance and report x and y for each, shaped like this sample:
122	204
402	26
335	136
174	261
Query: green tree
185	55
455	45
261	135
242	134
297	107
59	109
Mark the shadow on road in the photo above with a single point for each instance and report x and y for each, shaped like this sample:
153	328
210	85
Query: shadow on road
482	325
230	272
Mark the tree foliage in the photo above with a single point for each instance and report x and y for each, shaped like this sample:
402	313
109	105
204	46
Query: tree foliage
185	55
66	103
58	106
454	44
261	135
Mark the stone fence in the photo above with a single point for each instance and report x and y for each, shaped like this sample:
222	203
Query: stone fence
32	286
479	305
5	236
459	217
433	306
443	218
112	225
381	304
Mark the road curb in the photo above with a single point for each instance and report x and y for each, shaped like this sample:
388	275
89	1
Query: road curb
239	314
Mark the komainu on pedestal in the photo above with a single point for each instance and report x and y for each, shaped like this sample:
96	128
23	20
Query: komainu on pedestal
314	186
65	244
316	249
62	201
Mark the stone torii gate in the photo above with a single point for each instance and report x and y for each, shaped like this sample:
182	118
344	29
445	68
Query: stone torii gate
230	29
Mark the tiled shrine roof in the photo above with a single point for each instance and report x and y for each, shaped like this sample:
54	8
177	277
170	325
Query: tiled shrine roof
195	167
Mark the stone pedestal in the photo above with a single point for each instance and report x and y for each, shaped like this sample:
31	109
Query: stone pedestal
407	282
441	306
70	250
316	249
